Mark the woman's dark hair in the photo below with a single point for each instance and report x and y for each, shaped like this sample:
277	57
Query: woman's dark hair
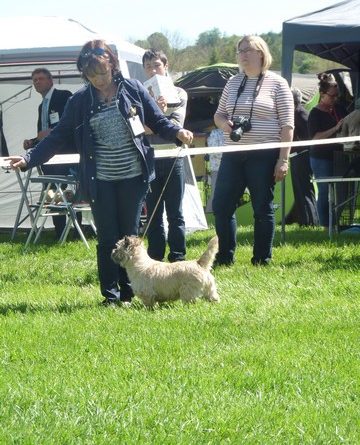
94	55
326	81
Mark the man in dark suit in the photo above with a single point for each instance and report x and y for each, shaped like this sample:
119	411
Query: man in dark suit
49	114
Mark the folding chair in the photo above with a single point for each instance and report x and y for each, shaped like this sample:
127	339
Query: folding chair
24	201
46	208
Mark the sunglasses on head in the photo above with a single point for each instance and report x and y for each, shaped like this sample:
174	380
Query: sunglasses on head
93	52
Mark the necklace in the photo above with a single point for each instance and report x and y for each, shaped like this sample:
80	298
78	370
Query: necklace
107	99
108	96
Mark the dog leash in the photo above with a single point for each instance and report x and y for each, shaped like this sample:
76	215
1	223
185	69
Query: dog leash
162	191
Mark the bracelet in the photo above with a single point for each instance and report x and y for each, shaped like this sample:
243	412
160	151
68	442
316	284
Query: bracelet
286	160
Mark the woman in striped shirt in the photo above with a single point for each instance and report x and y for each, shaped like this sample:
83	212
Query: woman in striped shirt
256	106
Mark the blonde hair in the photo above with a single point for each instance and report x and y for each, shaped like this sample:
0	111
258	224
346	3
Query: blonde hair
259	44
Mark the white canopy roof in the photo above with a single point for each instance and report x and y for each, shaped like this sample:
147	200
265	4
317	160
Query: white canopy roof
27	43
51	40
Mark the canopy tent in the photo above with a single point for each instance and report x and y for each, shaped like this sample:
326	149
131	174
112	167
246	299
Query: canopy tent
54	43
21	53
207	79
332	33
204	87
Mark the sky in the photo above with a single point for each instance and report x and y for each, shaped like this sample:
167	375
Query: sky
181	21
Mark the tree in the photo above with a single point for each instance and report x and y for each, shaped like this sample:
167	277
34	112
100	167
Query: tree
214	47
209	38
176	40
306	66
142	43
158	41
274	42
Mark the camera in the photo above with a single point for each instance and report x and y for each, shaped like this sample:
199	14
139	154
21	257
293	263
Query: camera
241	124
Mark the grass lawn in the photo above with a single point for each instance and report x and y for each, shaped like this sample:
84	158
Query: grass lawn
276	362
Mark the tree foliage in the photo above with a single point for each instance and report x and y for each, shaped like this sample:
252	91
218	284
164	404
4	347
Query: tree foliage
214	47
209	38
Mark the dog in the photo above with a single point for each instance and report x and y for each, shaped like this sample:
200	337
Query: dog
155	281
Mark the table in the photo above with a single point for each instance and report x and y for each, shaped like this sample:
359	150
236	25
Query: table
333	204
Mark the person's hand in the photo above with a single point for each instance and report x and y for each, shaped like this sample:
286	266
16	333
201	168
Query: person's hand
281	169
185	136
16	162
148	130
42	134
162	104
28	143
338	125
227	126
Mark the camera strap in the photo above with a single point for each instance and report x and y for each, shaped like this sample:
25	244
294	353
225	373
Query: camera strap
255	93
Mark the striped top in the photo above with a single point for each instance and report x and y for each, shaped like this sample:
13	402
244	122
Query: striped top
116	154
273	107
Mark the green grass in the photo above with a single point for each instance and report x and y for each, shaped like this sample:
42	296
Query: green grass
276	362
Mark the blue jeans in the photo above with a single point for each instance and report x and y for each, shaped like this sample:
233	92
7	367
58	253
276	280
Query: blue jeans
116	213
322	168
254	170
171	201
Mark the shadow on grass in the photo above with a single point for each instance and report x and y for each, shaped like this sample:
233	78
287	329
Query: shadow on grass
46	242
294	235
69	308
137	305
29	308
336	261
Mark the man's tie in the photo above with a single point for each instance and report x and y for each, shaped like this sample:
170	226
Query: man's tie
44	114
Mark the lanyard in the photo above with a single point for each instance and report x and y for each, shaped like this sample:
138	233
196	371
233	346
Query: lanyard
255	93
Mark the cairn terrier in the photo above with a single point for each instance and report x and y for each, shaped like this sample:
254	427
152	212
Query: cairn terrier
155	281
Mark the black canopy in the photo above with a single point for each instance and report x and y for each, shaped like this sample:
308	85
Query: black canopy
204	87
332	33
207	79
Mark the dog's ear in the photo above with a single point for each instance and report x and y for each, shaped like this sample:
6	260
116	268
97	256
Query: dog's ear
126	241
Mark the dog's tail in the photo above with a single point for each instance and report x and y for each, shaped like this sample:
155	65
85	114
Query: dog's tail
207	258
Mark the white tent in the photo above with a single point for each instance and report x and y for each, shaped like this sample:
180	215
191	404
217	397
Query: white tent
54	43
